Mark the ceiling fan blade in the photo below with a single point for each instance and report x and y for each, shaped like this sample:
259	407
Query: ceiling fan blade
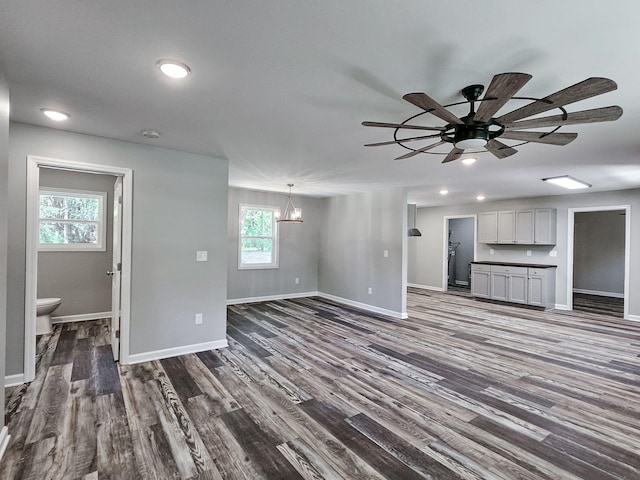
499	149
502	87
586	89
416	152
427	103
392	142
454	154
399	125
540	137
604	114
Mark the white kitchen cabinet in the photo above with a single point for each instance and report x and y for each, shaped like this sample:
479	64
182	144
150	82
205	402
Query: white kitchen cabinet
509	283
534	226
545	226
516	283
525	226
481	280
542	287
488	227
507	226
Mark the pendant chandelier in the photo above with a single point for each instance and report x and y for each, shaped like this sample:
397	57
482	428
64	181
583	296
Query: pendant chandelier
413	230
291	214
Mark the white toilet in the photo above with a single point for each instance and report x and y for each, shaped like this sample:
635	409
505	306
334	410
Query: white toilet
44	308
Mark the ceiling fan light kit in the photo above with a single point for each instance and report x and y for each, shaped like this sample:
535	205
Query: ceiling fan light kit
481	130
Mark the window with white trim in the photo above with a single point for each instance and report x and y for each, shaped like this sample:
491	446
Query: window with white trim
72	220
258	237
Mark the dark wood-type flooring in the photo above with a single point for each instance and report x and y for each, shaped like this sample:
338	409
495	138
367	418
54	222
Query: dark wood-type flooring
308	389
598	304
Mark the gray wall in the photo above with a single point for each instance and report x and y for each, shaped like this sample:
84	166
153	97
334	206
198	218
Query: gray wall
598	255
426	257
79	278
4	174
179	207
356	230
462	231
298	255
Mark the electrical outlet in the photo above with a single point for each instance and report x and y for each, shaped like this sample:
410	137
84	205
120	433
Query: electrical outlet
370	291
386	253
528	253
297	280
553	253
198	318
491	251
201	256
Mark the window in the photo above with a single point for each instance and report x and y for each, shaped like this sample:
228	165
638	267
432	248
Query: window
72	220
258	238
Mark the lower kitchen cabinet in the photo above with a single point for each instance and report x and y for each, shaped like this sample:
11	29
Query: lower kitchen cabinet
531	285
481	281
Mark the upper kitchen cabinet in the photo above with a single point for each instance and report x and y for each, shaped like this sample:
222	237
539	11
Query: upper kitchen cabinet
546	220
488	227
534	226
507	227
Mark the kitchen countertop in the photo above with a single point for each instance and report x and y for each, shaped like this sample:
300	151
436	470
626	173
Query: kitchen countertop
512	264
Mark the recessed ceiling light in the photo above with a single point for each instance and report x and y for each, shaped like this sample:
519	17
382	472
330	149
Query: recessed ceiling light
150	134
173	69
480	198
444	191
469	160
566	181
56	115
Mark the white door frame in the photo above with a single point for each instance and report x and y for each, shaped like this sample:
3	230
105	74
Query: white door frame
31	285
627	249
445	246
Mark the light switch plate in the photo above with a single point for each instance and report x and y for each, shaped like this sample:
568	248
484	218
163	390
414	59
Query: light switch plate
198	318
528	253
386	253
201	256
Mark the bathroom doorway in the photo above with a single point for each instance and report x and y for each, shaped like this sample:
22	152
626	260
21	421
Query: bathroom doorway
459	251
101	288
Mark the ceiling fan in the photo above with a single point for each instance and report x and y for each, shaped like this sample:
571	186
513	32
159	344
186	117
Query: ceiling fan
479	129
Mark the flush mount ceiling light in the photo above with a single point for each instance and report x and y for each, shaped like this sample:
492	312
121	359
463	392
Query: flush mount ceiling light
55	115
566	181
150	134
469	160
480	198
444	191
291	214
173	69
483	129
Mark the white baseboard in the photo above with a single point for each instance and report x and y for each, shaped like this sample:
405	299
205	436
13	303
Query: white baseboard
561	306
13	380
364	306
599	293
176	351
4	440
268	298
633	318
82	317
425	287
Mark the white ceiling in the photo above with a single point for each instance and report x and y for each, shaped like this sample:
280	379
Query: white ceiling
281	87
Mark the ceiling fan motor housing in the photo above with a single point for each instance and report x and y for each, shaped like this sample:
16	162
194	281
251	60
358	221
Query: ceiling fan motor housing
471	136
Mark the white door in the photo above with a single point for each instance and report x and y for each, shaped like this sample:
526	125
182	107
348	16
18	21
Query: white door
116	269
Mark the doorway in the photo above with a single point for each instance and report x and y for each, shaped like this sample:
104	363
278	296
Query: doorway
598	260
459	250
121	264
